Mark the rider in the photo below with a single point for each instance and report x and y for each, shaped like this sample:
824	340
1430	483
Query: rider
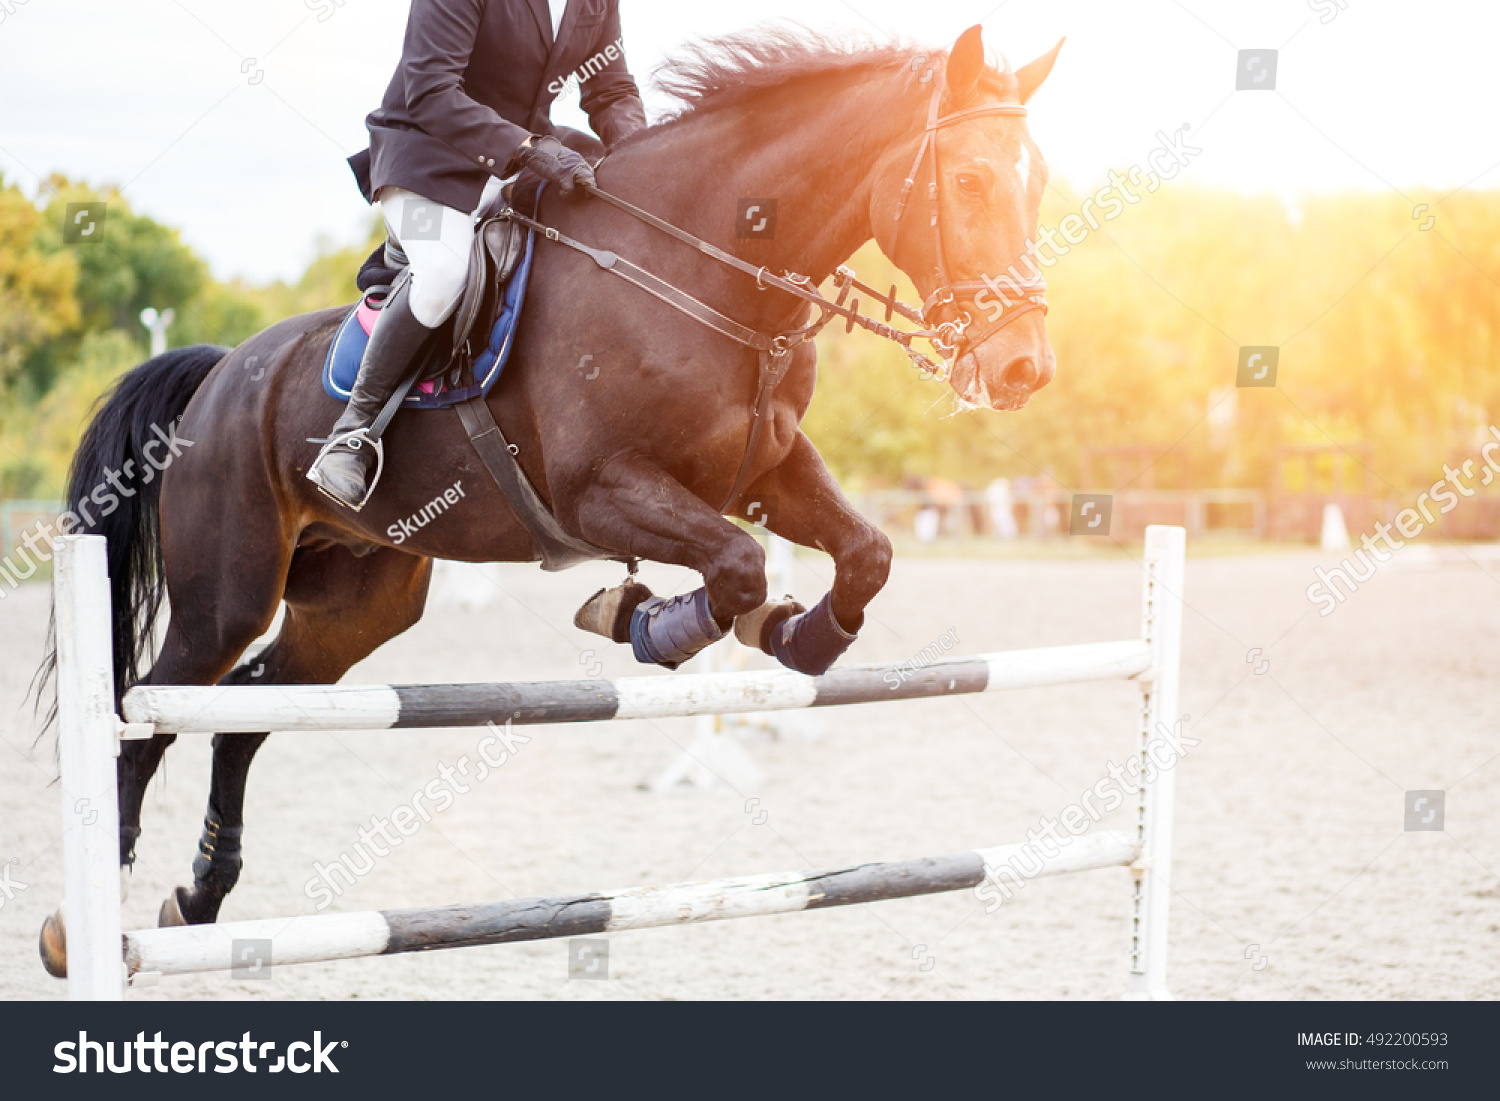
469	100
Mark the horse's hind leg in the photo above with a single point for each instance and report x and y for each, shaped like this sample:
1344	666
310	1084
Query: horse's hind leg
340	608
219	608
138	763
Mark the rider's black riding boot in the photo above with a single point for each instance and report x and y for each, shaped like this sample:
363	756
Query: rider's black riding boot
350	463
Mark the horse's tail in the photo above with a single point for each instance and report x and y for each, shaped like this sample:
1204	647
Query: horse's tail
144	405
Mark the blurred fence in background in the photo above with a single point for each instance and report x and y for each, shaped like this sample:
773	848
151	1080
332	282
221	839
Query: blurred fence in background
1002	513
1038	509
17	517
1039	513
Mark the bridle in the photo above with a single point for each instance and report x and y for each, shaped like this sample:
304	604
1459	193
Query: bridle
951	339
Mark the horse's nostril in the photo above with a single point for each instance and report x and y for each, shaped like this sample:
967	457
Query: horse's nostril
1020	374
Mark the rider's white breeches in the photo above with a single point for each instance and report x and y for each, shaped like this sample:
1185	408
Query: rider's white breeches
436	241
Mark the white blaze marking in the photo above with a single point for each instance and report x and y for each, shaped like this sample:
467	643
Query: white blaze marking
1023	166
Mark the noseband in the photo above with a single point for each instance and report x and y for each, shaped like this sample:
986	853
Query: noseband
953	338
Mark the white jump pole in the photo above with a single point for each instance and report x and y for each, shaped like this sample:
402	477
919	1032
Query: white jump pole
1161	628
88	737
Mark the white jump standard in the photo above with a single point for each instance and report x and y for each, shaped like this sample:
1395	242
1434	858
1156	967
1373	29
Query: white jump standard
89	731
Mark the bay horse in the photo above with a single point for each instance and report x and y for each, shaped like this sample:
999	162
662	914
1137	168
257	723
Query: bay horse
633	455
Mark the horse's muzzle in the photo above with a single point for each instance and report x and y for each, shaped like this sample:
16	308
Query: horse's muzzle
1007	388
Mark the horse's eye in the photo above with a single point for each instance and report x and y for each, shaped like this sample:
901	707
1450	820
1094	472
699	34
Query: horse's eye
968	184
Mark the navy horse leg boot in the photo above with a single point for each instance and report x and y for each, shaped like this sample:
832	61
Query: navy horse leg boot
660	632
807	642
668	632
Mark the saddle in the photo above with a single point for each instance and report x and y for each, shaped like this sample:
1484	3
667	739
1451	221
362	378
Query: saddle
469	351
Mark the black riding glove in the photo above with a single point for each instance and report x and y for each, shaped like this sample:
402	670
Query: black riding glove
554	161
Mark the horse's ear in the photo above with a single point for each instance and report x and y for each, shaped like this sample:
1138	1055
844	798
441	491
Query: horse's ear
965	66
1031	75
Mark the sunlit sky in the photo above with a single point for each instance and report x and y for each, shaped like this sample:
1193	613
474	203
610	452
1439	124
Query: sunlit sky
231	120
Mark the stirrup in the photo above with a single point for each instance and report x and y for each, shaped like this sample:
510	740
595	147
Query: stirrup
350	441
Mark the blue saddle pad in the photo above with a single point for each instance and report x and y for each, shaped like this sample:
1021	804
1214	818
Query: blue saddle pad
348	348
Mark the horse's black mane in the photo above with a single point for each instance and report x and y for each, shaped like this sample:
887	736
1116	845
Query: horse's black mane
724	72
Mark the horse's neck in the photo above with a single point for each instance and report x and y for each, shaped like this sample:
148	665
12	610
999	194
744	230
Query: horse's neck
819	168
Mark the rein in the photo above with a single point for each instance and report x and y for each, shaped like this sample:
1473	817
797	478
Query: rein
951	338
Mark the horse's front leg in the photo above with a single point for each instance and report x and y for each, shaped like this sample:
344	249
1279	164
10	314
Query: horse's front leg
800	501
634	507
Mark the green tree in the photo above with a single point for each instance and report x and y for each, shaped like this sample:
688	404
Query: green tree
136	262
38	301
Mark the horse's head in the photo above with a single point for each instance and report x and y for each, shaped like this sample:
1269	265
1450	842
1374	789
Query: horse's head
960	221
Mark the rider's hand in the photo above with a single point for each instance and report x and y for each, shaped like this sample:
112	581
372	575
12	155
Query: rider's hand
554	161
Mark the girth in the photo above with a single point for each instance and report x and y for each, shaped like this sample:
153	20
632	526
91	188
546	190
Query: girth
558	549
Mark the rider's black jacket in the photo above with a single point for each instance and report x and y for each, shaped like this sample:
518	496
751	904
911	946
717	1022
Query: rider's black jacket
476	77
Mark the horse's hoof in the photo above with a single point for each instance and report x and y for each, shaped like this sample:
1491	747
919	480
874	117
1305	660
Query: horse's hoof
754	628
171	911
52	943
608	611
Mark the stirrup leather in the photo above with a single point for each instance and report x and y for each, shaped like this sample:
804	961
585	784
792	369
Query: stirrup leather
350	441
